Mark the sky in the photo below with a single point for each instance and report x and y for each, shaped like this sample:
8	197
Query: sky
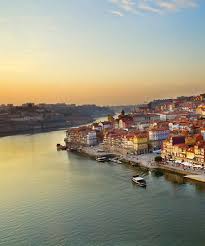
107	52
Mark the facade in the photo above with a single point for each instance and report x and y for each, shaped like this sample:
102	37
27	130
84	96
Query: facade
116	124
113	141
201	111
141	144
125	123
136	143
178	150
105	125
144	118
158	134
124	142
203	133
96	127
156	137
168	116
81	136
92	138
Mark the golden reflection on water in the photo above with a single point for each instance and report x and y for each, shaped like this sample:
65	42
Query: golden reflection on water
25	169
174	178
47	197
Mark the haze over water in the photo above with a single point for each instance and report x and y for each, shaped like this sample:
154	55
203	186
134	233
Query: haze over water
56	198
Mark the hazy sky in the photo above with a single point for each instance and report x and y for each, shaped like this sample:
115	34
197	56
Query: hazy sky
101	51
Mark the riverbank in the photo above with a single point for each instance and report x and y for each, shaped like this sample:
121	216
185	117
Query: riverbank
146	161
6	131
35	130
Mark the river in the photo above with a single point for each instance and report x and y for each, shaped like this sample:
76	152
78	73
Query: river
59	198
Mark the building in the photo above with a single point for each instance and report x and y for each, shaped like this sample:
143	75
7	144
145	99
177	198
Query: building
141	143
125	142
91	138
203	133
96	127
169	146
167	116
82	136
136	143
175	149
201	111
156	137
145	118
158	134
126	122
106	125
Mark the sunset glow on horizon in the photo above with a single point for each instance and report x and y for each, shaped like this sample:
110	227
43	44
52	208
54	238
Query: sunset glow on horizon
105	52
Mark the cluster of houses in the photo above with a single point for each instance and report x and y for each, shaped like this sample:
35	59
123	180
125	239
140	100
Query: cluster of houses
182	149
179	133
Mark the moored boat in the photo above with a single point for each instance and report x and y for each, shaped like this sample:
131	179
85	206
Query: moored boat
60	147
101	159
116	160
139	181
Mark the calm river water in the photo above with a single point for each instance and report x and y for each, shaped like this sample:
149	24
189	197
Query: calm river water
59	198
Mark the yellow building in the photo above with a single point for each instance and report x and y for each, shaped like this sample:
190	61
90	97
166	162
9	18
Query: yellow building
190	140
141	143
190	155
201	111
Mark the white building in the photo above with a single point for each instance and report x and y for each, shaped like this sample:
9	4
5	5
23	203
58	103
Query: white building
203	133
91	138
167	116
105	125
158	134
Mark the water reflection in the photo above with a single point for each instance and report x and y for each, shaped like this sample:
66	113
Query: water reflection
174	178
157	173
178	179
199	186
55	198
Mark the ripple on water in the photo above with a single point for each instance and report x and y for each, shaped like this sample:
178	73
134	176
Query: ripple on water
55	198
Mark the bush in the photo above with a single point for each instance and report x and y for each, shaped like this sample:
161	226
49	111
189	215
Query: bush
158	159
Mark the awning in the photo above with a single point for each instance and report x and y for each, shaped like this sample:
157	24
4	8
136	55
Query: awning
197	166
177	161
187	164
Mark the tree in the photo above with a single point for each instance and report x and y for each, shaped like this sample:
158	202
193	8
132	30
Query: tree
158	158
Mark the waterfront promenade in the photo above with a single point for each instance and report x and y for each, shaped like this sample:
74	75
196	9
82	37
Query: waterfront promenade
148	161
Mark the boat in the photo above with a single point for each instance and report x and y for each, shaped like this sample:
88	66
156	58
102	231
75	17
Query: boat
101	159
116	160
60	147
139	181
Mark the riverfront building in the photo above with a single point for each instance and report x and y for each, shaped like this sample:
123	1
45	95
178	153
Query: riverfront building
174	126
177	149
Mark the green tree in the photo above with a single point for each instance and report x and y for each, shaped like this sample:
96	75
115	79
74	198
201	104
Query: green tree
158	158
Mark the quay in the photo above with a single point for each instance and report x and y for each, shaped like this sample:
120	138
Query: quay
146	161
199	178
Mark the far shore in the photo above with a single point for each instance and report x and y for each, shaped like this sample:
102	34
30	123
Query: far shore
15	133
40	130
49	129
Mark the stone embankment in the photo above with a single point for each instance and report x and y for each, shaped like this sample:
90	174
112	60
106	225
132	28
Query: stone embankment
147	161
